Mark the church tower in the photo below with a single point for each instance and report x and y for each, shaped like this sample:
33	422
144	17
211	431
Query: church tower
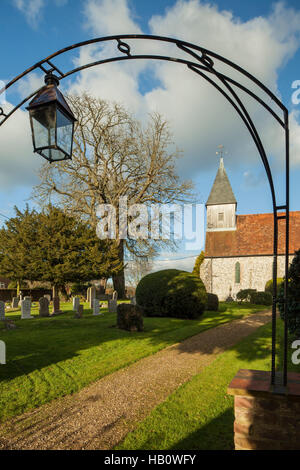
221	204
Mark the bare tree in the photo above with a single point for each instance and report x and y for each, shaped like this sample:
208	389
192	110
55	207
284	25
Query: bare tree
114	156
137	269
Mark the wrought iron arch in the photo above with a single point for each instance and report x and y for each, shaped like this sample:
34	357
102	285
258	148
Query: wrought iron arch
202	62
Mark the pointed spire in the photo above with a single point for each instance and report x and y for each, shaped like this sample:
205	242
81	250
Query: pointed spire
221	192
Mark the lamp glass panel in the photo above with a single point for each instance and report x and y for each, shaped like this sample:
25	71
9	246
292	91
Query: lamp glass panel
54	155
64	132
43	123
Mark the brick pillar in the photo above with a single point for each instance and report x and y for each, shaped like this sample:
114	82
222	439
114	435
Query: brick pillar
265	418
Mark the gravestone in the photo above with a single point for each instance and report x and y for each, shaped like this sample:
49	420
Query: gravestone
130	317
115	295
76	303
112	306
15	302
26	309
56	306
133	300
2	310
43	307
27	298
96	307
79	313
92	295
48	296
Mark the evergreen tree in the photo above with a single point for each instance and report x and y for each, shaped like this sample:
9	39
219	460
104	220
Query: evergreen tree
52	246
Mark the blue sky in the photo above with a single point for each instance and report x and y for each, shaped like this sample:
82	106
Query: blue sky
262	36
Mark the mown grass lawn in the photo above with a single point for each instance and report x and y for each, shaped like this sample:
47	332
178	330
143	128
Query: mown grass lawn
199	415
51	357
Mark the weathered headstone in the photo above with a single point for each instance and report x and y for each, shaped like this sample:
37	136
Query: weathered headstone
2	310
76	303
96	307
115	295
26	309
44	307
15	302
130	317
20	299
56	306
92	295
79	312
47	296
112	306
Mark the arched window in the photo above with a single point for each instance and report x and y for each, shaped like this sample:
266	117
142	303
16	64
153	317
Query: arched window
237	273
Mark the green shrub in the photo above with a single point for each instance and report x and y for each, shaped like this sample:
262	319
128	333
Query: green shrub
171	293
244	294
212	302
293	310
269	285
261	298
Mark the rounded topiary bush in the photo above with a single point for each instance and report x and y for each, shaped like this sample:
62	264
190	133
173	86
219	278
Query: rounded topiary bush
261	298
171	293
212	302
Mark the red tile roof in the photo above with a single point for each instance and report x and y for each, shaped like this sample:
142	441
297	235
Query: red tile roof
253	236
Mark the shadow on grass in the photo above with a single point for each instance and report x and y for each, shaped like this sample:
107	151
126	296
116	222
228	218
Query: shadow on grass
42	342
216	435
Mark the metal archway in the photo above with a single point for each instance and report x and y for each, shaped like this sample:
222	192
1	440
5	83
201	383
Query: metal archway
202	62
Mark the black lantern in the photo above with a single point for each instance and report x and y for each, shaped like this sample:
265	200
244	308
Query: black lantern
52	122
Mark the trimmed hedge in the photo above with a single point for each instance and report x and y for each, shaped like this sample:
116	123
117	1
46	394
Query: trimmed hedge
212	302
261	298
171	293
245	294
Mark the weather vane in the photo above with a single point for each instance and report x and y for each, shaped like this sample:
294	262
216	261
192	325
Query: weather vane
221	151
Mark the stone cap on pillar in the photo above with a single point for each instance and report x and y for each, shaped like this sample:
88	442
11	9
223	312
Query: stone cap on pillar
255	383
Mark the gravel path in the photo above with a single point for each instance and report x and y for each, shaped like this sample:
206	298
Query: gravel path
100	415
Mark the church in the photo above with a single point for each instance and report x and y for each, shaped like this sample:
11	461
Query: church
239	248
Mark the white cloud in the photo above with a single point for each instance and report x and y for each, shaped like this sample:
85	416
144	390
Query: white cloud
108	17
18	162
180	261
200	117
32	9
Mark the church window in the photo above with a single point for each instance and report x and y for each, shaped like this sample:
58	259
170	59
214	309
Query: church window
221	216
237	273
